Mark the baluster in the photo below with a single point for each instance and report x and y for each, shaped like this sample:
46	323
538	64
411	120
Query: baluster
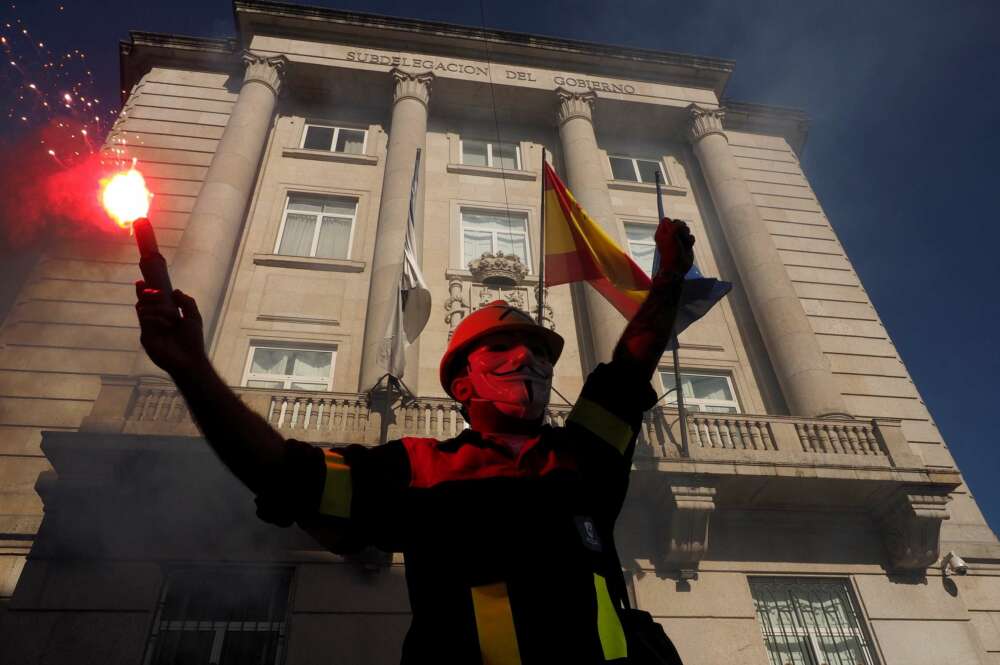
306	411
713	432
727	440
870	441
152	404
335	414
767	436
147	398
176	412
827	437
854	441
352	413
755	435
321	413
838	439
695	433
815	440
284	410
738	433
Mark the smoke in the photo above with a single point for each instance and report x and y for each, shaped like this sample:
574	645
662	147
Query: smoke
46	198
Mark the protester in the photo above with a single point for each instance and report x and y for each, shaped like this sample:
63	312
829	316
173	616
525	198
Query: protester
507	528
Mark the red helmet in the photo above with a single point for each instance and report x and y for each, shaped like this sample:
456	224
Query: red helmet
498	316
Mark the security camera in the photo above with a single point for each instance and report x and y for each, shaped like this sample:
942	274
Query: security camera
954	563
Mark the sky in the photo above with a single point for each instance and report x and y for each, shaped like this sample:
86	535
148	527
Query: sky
901	96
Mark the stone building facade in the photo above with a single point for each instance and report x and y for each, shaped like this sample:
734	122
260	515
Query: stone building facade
804	518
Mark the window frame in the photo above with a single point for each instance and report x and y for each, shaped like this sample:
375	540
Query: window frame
702	402
493	234
628	242
861	632
333	142
220	627
635	168
489	154
287	379
318	224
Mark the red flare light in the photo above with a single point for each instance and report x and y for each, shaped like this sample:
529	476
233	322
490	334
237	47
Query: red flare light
125	197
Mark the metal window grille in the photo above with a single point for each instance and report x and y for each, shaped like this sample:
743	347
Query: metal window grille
221	616
810	622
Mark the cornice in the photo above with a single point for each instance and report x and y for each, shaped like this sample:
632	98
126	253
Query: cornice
790	123
279	18
143	50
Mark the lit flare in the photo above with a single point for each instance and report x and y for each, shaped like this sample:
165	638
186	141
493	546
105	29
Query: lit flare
125	197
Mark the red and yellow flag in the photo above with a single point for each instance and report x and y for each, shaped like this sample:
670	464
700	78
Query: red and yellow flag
578	249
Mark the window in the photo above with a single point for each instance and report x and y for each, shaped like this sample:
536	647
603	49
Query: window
641	245
287	368
317	226
810	622
495	155
636	170
494	231
221	616
335	139
702	392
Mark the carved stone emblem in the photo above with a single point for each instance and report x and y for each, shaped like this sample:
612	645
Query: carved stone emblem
498	269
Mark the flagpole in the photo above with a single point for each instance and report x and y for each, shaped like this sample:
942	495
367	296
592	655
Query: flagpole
541	247
681	413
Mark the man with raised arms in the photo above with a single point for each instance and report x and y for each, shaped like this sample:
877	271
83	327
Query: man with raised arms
507	528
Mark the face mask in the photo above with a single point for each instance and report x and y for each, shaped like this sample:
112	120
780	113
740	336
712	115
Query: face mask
514	378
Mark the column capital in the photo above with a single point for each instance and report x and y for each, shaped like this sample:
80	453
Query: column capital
702	122
575	104
269	70
417	86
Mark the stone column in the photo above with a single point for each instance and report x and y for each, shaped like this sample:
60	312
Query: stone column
589	183
407	133
204	258
800	365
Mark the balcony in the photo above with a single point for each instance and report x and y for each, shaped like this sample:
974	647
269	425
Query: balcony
743	461
712	438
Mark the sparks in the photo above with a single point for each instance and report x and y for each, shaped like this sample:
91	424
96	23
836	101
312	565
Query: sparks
52	154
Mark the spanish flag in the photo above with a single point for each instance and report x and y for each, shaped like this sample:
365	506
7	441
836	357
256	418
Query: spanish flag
578	249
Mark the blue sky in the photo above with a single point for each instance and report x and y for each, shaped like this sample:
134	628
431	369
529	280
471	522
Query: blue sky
901	97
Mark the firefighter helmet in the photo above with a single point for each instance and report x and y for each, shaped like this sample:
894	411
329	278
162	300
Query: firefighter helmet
497	317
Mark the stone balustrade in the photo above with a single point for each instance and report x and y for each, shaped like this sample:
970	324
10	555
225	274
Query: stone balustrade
346	418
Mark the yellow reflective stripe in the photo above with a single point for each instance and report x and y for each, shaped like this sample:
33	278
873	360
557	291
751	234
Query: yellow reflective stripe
495	625
602	423
336	499
609	626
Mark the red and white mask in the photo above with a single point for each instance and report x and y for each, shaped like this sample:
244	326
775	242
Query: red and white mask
513	374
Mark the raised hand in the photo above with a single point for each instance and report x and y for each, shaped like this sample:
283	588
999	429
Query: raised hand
172	336
676	246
